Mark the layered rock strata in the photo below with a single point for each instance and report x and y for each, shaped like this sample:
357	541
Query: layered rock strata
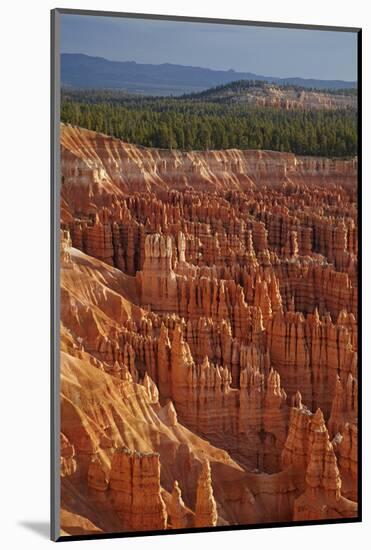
135	486
208	337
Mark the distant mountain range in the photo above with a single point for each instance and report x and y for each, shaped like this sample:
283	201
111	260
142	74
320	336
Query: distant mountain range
84	71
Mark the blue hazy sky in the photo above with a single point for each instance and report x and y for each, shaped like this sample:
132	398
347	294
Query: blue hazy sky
261	50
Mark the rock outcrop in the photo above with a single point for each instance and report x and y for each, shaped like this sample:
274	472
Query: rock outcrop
68	462
135	486
274	96
206	513
208	337
322	498
178	514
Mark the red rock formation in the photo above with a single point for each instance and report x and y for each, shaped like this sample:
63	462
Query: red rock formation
347	453
68	462
135	487
97	477
309	353
206	513
159	287
178	515
208	308
322	498
345	405
65	248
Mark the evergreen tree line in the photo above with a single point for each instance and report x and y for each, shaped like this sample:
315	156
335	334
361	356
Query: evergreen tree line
187	124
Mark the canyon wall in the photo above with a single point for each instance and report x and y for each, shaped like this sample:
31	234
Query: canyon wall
208	336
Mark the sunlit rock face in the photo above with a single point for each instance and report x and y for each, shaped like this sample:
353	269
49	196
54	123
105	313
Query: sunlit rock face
208	337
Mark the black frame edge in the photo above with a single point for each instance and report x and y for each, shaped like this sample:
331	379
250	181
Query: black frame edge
217	529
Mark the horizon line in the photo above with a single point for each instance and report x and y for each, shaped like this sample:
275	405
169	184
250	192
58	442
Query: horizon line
209	69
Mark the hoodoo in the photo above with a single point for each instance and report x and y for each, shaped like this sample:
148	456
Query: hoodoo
208	336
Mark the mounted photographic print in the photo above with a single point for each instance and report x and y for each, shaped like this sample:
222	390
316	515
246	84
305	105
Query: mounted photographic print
205	278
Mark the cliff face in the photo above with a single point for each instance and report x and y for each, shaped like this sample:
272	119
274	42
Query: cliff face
273	96
208	338
98	170
322	498
303	100
136	490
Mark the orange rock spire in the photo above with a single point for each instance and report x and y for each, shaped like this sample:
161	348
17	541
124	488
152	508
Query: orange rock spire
206	513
